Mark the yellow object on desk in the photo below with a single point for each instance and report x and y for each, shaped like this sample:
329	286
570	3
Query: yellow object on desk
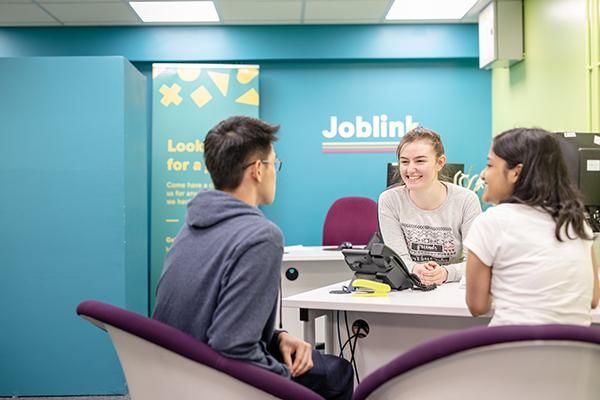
369	288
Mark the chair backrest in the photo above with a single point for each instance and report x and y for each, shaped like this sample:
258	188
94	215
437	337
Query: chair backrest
506	362
350	219
162	362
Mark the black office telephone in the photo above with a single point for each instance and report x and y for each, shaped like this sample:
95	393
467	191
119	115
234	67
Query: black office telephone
380	263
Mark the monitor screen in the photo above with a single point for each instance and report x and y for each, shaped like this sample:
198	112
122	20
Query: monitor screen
446	174
581	152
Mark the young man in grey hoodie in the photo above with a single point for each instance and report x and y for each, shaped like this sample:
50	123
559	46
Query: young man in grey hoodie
221	277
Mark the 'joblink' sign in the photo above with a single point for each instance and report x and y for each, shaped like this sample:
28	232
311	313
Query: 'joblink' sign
378	127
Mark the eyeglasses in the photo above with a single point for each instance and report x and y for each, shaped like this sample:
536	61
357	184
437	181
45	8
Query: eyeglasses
277	163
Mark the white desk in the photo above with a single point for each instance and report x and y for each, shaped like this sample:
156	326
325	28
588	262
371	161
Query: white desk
397	322
315	267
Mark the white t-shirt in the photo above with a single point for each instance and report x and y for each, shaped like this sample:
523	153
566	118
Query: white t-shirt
535	278
428	235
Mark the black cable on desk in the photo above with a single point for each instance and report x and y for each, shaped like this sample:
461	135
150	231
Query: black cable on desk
354	360
352	347
339	334
355	336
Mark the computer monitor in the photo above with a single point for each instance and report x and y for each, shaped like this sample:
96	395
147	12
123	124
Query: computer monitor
446	174
581	152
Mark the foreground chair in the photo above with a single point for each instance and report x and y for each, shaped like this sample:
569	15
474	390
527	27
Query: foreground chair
510	362
350	219
161	362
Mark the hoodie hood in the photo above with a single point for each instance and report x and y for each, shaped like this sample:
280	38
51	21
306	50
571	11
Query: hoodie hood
213	206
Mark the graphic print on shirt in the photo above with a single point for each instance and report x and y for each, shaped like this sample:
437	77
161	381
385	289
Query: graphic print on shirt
429	243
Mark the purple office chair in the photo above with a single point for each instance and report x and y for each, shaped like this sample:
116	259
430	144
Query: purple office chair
506	362
161	362
350	219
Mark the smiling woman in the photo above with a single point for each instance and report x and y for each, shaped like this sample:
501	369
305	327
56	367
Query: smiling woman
424	220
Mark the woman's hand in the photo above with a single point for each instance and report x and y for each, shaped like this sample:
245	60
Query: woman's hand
431	272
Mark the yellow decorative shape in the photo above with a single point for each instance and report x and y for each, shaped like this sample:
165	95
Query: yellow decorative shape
170	95
250	97
189	74
156	71
245	75
201	96
221	80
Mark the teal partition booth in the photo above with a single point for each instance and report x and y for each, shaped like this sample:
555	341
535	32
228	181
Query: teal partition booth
75	196
73	165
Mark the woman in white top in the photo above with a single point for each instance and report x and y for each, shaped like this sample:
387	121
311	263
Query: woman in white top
425	220
532	253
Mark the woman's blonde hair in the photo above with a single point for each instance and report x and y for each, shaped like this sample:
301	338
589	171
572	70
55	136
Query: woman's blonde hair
420	133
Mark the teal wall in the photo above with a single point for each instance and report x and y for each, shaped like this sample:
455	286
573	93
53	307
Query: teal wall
73	147
244	43
452	98
136	176
300	96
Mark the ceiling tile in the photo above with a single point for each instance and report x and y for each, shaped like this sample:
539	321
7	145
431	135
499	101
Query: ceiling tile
23	13
262	22
338	10
101	13
267	11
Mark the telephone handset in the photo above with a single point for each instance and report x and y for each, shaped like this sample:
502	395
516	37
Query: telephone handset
380	263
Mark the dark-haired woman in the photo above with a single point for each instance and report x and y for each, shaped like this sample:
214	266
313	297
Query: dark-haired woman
532	253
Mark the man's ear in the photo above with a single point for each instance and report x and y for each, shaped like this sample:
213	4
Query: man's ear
514	173
256	171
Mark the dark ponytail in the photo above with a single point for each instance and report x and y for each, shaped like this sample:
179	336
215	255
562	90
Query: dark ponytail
543	181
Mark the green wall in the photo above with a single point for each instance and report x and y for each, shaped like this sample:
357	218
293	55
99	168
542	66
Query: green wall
556	86
547	88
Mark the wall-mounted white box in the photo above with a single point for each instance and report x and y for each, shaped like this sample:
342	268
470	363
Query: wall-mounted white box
501	34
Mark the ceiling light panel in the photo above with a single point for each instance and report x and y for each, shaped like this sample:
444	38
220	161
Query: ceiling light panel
175	11
429	9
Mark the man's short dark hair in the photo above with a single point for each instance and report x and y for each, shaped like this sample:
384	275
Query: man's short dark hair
232	144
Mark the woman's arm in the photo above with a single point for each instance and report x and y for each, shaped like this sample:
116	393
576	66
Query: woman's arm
479	277
389	226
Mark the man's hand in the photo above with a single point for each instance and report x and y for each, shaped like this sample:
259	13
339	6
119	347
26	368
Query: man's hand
296	353
431	272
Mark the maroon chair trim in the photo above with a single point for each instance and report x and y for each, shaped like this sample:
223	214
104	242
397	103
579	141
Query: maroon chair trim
470	339
185	345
